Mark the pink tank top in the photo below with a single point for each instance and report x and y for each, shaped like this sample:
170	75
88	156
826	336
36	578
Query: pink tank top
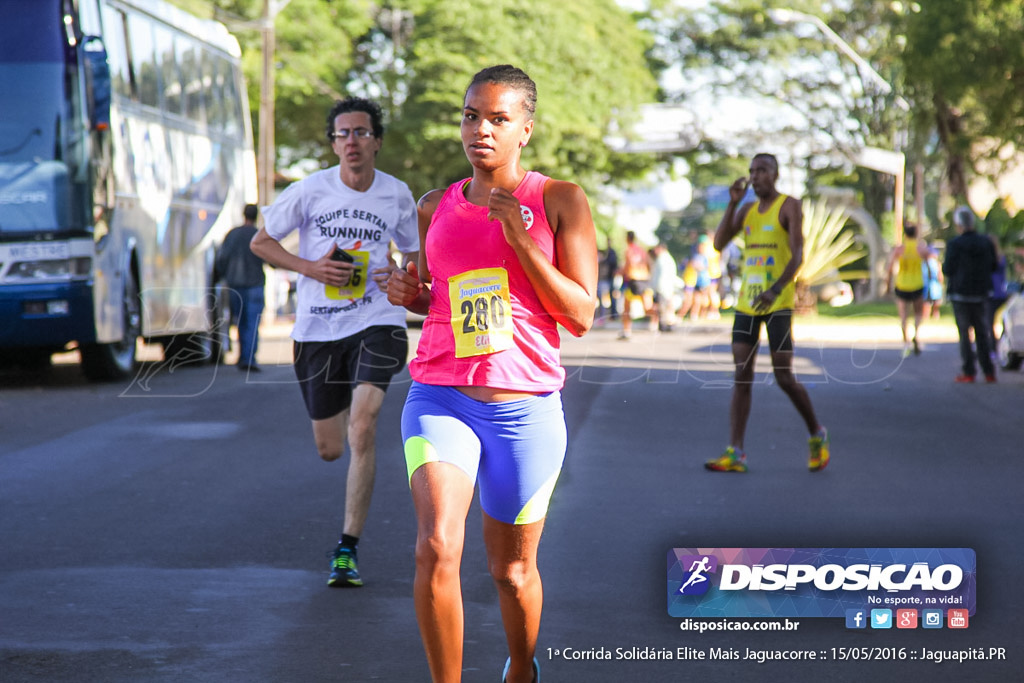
486	326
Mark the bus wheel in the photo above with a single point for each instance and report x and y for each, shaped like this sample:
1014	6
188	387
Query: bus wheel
116	361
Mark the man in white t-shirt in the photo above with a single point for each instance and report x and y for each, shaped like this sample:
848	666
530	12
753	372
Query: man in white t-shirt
348	340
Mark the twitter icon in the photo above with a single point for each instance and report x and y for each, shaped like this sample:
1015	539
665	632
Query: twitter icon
881	618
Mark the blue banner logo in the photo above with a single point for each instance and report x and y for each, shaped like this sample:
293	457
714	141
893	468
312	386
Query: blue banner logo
819	582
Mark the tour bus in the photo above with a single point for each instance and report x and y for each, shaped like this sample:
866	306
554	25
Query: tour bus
125	156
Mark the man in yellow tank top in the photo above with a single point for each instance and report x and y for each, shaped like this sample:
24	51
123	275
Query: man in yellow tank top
772	228
908	261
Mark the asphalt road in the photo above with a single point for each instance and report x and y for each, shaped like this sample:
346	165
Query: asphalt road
174	528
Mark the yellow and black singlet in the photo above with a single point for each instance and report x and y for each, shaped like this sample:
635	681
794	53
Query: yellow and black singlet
910	276
765	256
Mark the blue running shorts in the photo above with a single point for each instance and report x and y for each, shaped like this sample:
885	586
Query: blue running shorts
514	449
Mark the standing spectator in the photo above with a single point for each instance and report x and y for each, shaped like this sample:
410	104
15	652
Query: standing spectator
970	262
714	299
242	271
998	296
664	277
701	262
349	340
934	284
731	280
636	282
607	293
772	226
696	279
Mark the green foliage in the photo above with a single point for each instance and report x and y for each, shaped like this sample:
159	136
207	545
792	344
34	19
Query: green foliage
416	58
829	245
313	56
307	79
1009	233
964	68
744	47
587	61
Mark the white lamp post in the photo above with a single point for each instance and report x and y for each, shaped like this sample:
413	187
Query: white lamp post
783	15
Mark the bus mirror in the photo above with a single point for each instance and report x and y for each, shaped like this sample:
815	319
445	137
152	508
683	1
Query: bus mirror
98	75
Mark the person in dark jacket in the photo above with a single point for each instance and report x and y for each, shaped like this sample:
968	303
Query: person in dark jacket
243	272
970	260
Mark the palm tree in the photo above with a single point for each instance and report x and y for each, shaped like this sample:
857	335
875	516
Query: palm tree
828	246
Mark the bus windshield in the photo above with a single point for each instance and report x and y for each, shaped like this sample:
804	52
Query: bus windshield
33	172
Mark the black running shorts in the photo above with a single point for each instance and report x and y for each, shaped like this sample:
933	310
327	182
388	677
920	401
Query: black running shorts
328	371
912	295
746	329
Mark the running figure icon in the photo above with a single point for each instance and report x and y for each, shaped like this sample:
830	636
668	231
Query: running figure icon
696	570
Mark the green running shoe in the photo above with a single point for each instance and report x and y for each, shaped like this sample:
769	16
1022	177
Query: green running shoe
729	461
819	451
343	568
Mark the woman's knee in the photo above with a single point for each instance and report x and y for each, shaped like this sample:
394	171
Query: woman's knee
513	577
438	553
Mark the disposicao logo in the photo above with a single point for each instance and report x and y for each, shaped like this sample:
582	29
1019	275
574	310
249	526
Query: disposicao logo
818	582
696	581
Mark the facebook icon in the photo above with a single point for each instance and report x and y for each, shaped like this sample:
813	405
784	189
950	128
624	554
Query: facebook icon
856	618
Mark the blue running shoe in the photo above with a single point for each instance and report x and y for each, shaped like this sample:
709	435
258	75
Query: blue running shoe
536	670
343	568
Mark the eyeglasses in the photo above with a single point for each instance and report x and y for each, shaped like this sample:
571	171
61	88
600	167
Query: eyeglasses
359	133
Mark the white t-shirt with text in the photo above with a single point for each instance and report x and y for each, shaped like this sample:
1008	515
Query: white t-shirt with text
324	210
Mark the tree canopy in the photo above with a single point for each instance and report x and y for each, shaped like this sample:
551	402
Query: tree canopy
784	82
587	58
417	56
964	63
959	64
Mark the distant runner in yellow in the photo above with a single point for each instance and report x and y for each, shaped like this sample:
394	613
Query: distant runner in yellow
908	261
772	230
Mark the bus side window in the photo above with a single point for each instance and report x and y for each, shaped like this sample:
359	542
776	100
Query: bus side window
232	104
216	103
210	91
117	53
192	82
143	60
167	57
88	17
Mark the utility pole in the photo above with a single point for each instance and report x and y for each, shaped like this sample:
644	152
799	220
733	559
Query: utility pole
266	154
265	163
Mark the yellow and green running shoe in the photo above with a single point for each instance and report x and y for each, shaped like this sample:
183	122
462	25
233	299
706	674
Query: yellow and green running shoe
729	461
819	451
